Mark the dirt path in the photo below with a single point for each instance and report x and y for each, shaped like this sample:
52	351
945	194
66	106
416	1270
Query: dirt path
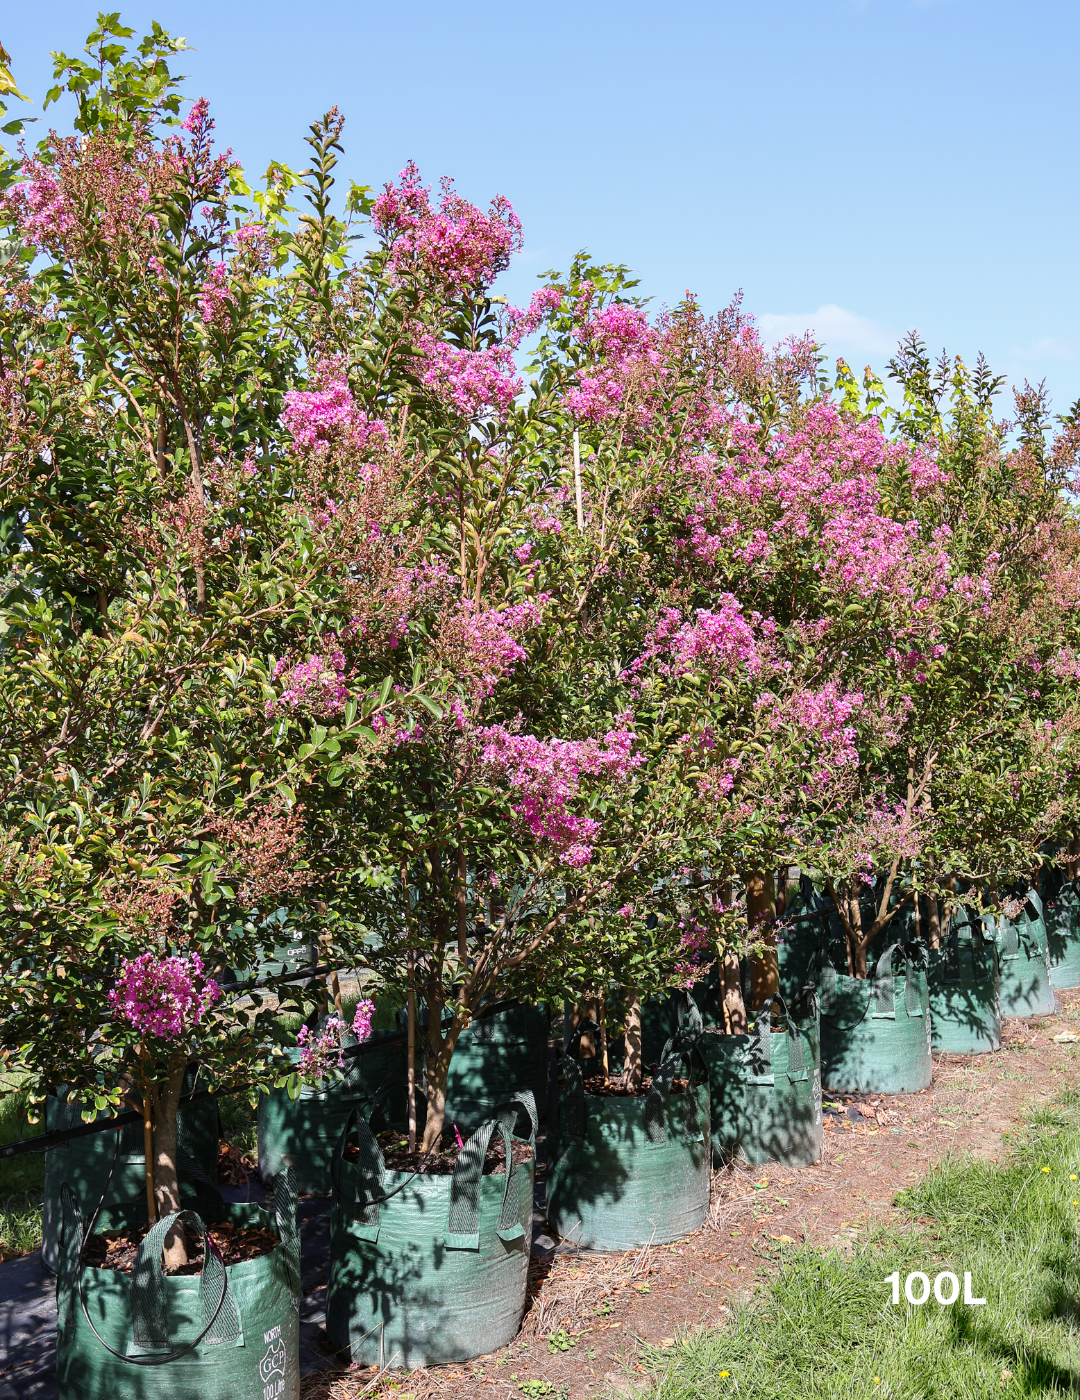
587	1313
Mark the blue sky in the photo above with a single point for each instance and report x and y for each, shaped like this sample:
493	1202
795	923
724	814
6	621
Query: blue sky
859	167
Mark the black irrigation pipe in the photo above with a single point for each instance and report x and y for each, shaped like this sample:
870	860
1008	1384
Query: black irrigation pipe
273	977
55	1136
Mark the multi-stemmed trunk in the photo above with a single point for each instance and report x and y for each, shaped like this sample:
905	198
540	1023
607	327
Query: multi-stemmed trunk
632	1038
163	1100
761	923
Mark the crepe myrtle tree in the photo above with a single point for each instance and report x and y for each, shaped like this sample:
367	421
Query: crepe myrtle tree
186	682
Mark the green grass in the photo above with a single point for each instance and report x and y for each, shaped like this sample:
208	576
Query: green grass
824	1324
20	1177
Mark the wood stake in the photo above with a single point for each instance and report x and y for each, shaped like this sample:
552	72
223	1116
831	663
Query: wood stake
577	480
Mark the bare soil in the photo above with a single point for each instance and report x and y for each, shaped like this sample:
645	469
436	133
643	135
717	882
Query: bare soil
587	1313
116	1249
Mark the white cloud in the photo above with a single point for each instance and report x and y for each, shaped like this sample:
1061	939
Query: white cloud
833	327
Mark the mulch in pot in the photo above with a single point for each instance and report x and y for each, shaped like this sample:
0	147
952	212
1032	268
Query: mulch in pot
116	1249
398	1158
614	1087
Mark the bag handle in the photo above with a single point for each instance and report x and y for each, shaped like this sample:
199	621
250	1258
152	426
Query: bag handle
148	1289
760	1049
572	1100
463	1224
288	1230
681	1047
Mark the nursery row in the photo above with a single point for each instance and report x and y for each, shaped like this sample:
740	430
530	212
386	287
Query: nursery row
505	655
429	1251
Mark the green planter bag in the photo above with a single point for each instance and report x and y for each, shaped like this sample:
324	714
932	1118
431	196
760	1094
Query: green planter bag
963	978
84	1164
797	952
875	1032
306	1129
1025	960
629	1170
497	1056
765	1087
1061	916
426	1270
232	1333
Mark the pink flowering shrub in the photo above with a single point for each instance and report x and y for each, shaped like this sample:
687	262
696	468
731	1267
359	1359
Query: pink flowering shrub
216	296
454	245
546	776
317	417
624	360
470	382
316	685
322	1052
164	998
716	640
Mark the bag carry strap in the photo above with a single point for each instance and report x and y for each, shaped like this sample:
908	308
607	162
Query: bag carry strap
572	1100
681	1047
288	1230
881	988
759	1050
463	1226
147	1291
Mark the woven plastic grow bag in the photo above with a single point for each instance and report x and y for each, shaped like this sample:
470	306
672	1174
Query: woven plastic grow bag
1024	959
498	1055
306	1129
1061	915
629	1170
426	1270
84	1164
963	977
231	1333
765	1087
875	1032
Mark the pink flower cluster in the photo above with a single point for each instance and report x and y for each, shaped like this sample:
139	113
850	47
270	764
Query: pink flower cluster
456	245
624	347
491	649
471	382
521	324
714	641
547	775
47	216
165	998
825	714
317	684
322	1052
216	296
328	413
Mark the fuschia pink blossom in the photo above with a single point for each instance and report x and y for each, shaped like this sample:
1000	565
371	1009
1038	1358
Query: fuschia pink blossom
471	382
317	417
546	775
165	998
456	245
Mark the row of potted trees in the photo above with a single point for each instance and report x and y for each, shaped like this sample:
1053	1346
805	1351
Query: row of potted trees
315	611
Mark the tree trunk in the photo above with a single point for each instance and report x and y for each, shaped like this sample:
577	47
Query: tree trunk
602	1018
734	1006
440	1052
760	919
857	953
632	1035
1072	865
166	1182
933	921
